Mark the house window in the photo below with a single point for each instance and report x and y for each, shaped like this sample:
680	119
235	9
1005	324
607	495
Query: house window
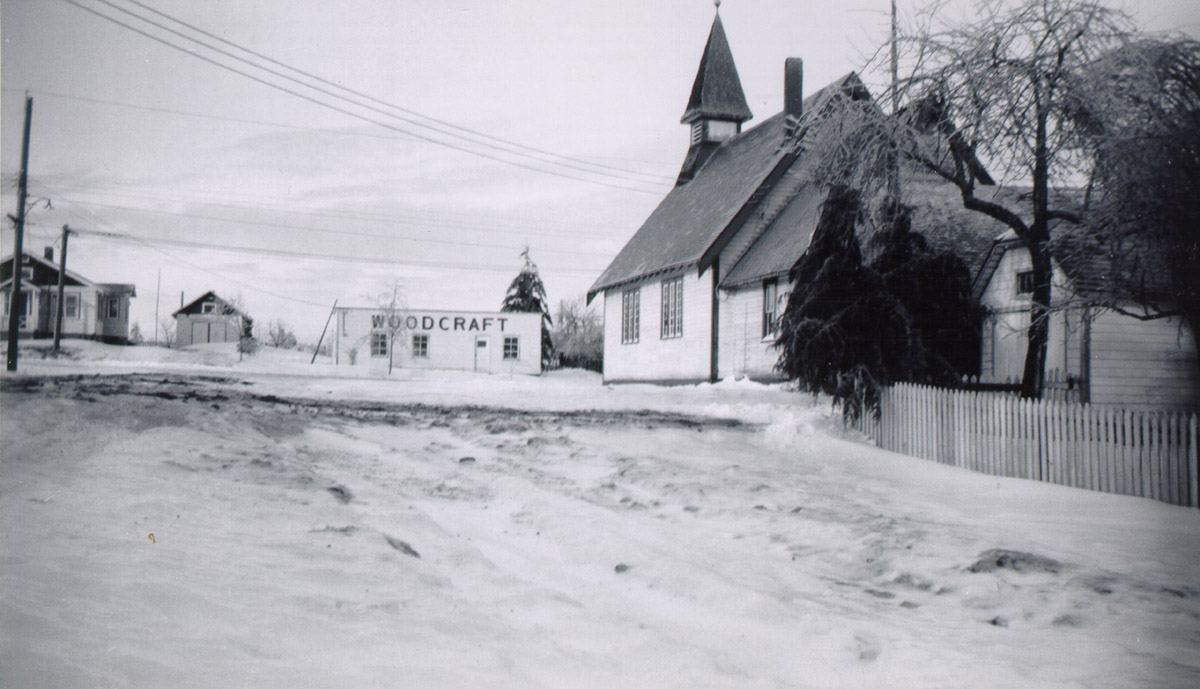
26	299
770	320
208	307
672	308
420	346
71	306
630	316
1025	282
26	272
379	344
512	348
114	308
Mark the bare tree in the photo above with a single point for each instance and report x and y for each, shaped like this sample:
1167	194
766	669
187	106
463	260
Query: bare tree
1003	89
578	335
390	321
1142	126
279	335
168	329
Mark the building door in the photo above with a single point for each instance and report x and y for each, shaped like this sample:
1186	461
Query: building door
199	333
483	355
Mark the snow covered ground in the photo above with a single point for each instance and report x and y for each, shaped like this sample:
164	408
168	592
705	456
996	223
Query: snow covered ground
188	520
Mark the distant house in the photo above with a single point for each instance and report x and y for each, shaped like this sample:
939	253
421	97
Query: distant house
206	319
98	311
1099	355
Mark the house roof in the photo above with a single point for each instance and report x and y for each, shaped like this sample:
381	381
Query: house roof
72	279
937	214
717	91
210	296
693	216
1113	269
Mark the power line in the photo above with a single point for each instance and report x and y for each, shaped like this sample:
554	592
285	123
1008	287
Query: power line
439	220
285	125
333	107
488	138
307	255
318	230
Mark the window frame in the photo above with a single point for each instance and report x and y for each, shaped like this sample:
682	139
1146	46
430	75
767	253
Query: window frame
671	316
378	344
420	345
515	341
1025	284
631	315
770	294
208	308
70	300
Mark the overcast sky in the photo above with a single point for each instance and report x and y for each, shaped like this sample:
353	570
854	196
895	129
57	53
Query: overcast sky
441	137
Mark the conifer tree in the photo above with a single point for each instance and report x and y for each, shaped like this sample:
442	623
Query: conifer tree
843	333
850	328
527	294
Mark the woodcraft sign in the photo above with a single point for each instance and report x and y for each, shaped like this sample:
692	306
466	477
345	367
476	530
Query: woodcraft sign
439	322
484	342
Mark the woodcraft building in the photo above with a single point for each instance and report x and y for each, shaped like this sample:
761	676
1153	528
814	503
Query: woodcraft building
483	342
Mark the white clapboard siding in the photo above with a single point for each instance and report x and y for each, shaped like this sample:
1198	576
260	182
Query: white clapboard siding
653	358
1142	453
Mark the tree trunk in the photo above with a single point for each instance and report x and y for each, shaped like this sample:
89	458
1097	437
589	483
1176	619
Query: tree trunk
1033	376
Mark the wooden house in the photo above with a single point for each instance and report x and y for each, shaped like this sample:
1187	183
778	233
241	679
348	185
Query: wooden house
697	293
208	319
98	311
1095	355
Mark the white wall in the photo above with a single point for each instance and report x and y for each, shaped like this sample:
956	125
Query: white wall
1129	362
453	343
742	350
1005	333
1143	364
653	358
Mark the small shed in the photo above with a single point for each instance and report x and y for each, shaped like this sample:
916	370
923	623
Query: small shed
206	319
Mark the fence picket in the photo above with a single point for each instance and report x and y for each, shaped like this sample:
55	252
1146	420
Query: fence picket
1172	459
1193	462
1145	454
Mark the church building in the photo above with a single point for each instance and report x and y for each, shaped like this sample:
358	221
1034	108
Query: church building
697	293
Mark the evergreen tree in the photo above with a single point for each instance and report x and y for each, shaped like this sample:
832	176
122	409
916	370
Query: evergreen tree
935	289
843	332
527	294
850	328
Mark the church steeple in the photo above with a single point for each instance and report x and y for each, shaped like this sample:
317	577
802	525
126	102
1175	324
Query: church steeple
717	107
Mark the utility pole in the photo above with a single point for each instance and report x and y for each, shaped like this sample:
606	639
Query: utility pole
157	291
62	280
15	304
893	160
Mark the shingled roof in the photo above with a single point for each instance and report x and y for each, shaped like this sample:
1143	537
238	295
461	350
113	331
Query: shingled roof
693	216
717	92
937	214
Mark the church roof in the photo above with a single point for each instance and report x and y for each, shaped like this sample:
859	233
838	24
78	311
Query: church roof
717	92
693	216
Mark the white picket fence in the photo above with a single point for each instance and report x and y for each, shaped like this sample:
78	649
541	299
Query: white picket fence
1148	454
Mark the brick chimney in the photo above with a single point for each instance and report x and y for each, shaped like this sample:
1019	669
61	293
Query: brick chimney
48	254
793	95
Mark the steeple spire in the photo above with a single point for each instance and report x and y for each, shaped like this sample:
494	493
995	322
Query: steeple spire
717	92
717	107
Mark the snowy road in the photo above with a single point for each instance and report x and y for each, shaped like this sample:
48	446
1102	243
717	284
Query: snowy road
179	531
